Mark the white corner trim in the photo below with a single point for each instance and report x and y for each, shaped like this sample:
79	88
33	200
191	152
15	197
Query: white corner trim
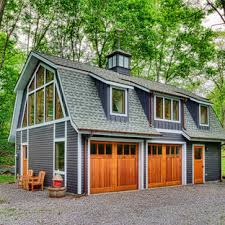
66	140
126	102
141	166
79	164
193	167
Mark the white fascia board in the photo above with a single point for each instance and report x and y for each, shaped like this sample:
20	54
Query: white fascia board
200	102
15	118
32	54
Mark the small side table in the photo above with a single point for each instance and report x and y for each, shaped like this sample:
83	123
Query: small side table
56	192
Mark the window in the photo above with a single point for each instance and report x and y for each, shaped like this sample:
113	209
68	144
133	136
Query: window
114	61
167	109
159	107
110	63
25	117
118	101
176	110
123	61
59	156
31	109
40	106
43	98
40	78
204	115
58	108
49	103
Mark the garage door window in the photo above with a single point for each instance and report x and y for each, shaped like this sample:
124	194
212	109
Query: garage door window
101	149
155	149
126	149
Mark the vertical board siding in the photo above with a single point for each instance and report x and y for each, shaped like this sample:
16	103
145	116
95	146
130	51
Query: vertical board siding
18	151
60	130
167	125
213	162
189	162
72	149
83	169
24	136
41	142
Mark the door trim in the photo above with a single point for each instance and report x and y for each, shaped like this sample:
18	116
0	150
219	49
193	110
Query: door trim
183	155
21	157
193	167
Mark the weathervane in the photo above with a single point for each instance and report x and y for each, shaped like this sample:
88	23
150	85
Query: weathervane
119	31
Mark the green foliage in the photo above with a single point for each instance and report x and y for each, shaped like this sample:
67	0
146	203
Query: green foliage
7	179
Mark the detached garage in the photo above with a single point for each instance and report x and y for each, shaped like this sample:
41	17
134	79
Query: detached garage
113	166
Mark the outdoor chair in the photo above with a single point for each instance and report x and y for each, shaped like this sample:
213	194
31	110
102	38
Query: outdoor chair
22	179
37	181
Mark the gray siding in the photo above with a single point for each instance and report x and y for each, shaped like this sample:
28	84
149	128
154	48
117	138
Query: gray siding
24	136
189	162
167	125
170	137
18	148
60	130
144	98
212	161
41	151
72	147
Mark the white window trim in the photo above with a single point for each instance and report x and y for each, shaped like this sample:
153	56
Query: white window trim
55	88
56	140
110	101
172	99
203	125
193	160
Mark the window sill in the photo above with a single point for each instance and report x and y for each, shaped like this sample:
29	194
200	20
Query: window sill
163	120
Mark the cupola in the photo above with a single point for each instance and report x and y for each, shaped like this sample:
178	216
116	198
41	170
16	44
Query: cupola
119	61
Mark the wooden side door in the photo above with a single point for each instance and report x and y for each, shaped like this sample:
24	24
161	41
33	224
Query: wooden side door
126	166
24	160
198	164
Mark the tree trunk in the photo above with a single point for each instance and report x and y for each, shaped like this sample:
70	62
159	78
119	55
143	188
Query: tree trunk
2	8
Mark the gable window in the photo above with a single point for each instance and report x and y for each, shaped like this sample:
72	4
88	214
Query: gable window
118	101
204	115
167	109
44	103
60	156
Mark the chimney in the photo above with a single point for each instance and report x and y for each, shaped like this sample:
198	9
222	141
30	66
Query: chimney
119	61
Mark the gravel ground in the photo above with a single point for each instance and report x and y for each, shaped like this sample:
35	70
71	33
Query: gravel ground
199	204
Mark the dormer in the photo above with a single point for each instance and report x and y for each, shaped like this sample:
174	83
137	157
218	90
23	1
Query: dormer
119	61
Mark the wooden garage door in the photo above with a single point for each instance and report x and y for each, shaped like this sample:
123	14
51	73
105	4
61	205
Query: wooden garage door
113	166
164	165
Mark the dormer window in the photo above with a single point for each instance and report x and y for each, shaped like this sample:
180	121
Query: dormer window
118	101
167	109
204	115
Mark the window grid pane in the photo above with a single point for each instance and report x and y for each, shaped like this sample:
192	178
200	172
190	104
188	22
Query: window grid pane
40	106
118	101
31	109
40	77
59	156
167	109
175	110
204	115
49	103
159	107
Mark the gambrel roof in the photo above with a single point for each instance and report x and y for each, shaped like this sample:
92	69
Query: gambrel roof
84	104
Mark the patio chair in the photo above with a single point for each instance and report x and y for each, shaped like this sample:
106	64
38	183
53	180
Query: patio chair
22	179
37	181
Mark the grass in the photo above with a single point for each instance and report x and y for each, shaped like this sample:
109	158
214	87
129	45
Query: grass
223	162
7	179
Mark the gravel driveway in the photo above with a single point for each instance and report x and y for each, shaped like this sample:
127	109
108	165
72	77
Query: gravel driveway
200	204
